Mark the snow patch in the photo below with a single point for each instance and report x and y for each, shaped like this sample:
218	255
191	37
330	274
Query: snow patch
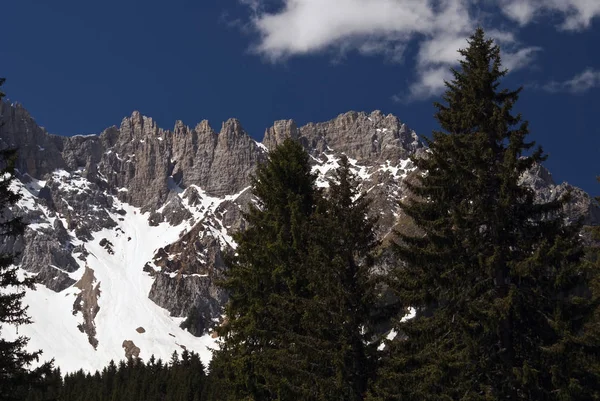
123	302
262	146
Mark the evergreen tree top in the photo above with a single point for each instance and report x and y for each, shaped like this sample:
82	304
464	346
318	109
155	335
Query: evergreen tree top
474	101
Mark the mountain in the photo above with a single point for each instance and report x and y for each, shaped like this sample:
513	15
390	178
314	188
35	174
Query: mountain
127	229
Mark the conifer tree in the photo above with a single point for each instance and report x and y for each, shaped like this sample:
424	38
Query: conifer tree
494	273
262	354
15	360
339	314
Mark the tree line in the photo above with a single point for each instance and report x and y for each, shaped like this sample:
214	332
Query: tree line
506	292
182	378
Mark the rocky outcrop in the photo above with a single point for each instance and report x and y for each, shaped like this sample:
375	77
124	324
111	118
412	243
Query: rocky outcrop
580	204
49	258
185	283
143	163
139	160
220	164
131	350
195	179
83	204
367	137
39	152
148	161
86	302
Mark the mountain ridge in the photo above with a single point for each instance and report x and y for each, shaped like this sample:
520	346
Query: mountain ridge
149	212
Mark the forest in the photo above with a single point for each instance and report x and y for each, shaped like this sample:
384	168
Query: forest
506	289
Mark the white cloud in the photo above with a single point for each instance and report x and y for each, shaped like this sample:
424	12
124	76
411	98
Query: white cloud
520	58
430	83
435	57
522	11
576	14
309	26
582	82
438	28
442	49
392	50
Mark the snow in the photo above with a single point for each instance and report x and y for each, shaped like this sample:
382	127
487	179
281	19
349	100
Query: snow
123	301
262	146
29	193
324	168
207	207
121	276
399	171
124	286
175	274
59	174
361	171
411	313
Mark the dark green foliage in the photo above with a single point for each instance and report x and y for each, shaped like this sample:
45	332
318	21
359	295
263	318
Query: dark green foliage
261	356
301	289
339	316
495	274
15	361
182	379
507	306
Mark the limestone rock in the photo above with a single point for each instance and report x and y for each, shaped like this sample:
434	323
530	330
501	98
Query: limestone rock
198	180
131	350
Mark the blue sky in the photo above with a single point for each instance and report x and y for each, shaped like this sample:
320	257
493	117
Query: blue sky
81	66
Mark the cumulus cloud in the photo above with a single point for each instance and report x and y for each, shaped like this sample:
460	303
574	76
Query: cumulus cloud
434	58
575	14
520	58
437	29
430	82
582	82
309	26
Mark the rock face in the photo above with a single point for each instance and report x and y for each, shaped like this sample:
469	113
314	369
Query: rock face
131	350
86	302
367	137
182	284
580	205
39	152
194	182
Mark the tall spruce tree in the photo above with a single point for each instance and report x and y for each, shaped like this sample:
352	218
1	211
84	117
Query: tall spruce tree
262	353
582	355
339	315
15	360
495	273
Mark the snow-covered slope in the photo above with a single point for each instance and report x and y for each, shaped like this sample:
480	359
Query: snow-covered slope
106	310
127	229
124	313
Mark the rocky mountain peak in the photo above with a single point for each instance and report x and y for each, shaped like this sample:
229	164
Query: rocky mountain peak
139	126
180	128
39	151
204	127
232	130
149	212
280	130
